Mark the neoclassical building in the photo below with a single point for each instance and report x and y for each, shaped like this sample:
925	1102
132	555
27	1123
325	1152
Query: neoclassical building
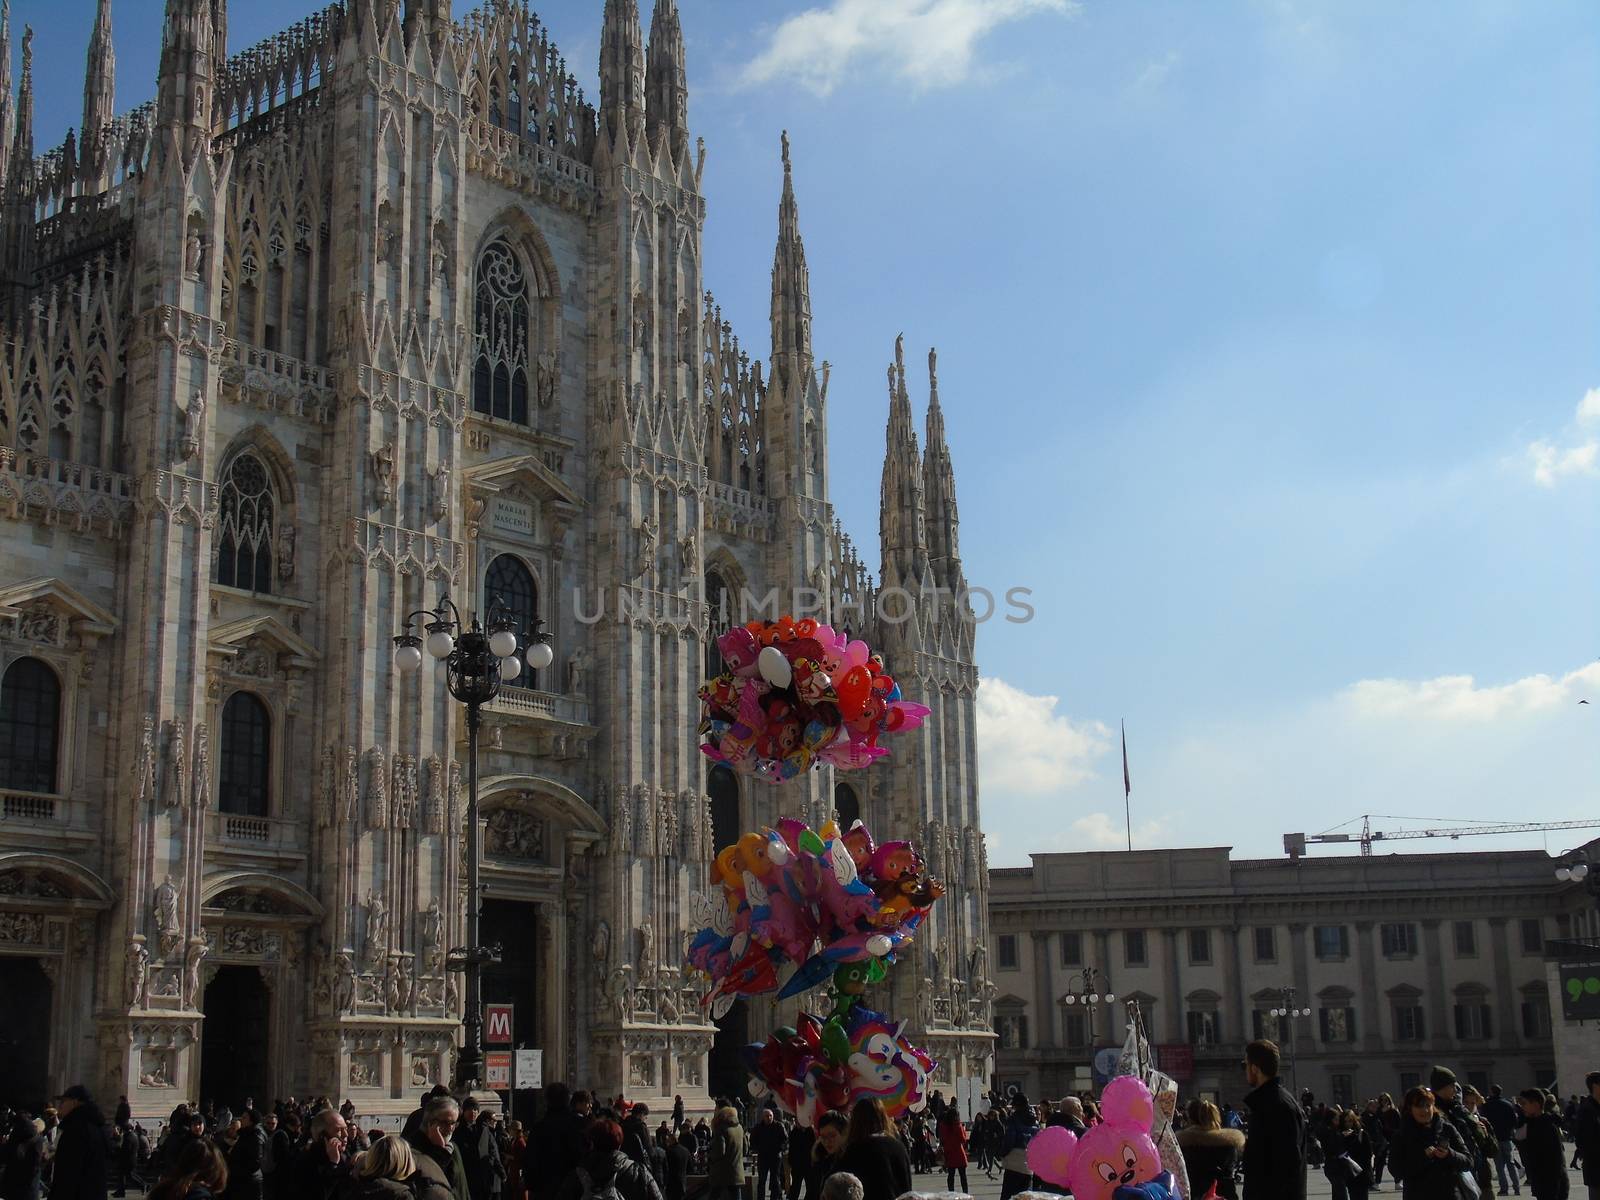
1396	962
379	309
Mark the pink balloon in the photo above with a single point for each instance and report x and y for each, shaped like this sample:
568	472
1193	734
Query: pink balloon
1050	1152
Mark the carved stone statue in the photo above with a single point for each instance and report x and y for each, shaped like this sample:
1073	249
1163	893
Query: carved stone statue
194	253
286	533
192	958
641	320
439	483
577	669
166	915
548	378
177	765
602	943
189	433
689	555
431	934
350	788
344	981
377	789
647	547
147	761
138	974
377	927
383	474
647	950
202	766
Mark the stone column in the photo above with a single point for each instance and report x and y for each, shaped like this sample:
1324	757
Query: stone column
1230	1011
1044	991
1369	1015
1172	985
1440	1032
1509	1034
1102	958
553	958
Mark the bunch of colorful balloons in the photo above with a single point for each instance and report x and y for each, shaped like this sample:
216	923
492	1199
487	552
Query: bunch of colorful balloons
797	908
797	695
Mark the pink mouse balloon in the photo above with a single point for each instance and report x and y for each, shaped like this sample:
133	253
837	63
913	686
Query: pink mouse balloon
1113	1154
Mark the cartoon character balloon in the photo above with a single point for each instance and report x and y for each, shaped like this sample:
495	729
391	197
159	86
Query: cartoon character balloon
1115	1160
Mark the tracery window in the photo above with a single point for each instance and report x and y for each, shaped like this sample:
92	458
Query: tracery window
246	756
512	582
847	804
244	531
30	724
723	789
720	602
501	323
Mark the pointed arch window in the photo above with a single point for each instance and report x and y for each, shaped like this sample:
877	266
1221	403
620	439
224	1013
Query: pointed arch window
723	788
847	804
502	312
721	605
30	726
513	584
246	764
245	525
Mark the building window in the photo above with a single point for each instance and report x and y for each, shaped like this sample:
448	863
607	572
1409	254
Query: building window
1409	1023
1536	1017
510	581
1199	946
1332	942
1338	1023
1266	944
1262	1025
1344	1089
1076	1029
1013	1031
1133	949
246	767
30	726
720	601
846	804
1473	1021
502	317
1409	1080
1399	939
1532	935
245	513
1072	950
723	788
1466	934
1008	951
1202	1028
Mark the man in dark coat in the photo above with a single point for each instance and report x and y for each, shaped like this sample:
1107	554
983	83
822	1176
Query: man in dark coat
432	1141
636	1134
767	1142
322	1170
1274	1152
1447	1099
83	1150
1504	1117
1586	1134
480	1152
555	1143
245	1177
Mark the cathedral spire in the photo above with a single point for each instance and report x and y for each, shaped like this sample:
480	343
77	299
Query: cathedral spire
902	519
622	73
939	490
99	84
16	228
666	78
22	135
7	111
196	32
791	288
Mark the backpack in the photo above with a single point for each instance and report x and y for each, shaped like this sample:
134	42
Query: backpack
608	1192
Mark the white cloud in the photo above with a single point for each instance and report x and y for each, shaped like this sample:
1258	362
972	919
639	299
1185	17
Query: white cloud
1102	831
1451	698
1155	72
1577	454
1027	748
926	43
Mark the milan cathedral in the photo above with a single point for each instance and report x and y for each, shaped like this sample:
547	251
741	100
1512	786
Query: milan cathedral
378	309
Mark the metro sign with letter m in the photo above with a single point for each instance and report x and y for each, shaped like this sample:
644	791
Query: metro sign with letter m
497	1024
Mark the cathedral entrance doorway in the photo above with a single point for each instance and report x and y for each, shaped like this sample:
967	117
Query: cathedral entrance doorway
24	1033
517	978
234	1045
728	1073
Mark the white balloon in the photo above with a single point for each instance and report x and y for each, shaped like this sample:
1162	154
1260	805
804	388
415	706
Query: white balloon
774	667
878	945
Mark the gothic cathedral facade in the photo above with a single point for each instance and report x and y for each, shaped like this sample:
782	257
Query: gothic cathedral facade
379	309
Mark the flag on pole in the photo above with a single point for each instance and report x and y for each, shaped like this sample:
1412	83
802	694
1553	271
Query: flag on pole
1127	785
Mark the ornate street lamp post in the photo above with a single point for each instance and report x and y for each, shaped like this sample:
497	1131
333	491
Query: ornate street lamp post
1285	1015
478	659
1090	994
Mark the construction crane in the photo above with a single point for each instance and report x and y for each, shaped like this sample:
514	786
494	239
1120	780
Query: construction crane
1294	844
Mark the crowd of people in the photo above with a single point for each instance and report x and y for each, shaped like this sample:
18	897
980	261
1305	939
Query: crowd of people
1444	1141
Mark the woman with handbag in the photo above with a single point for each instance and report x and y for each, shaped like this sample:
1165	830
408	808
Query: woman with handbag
1347	1161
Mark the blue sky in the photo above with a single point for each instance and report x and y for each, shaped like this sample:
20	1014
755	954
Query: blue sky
1268	341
